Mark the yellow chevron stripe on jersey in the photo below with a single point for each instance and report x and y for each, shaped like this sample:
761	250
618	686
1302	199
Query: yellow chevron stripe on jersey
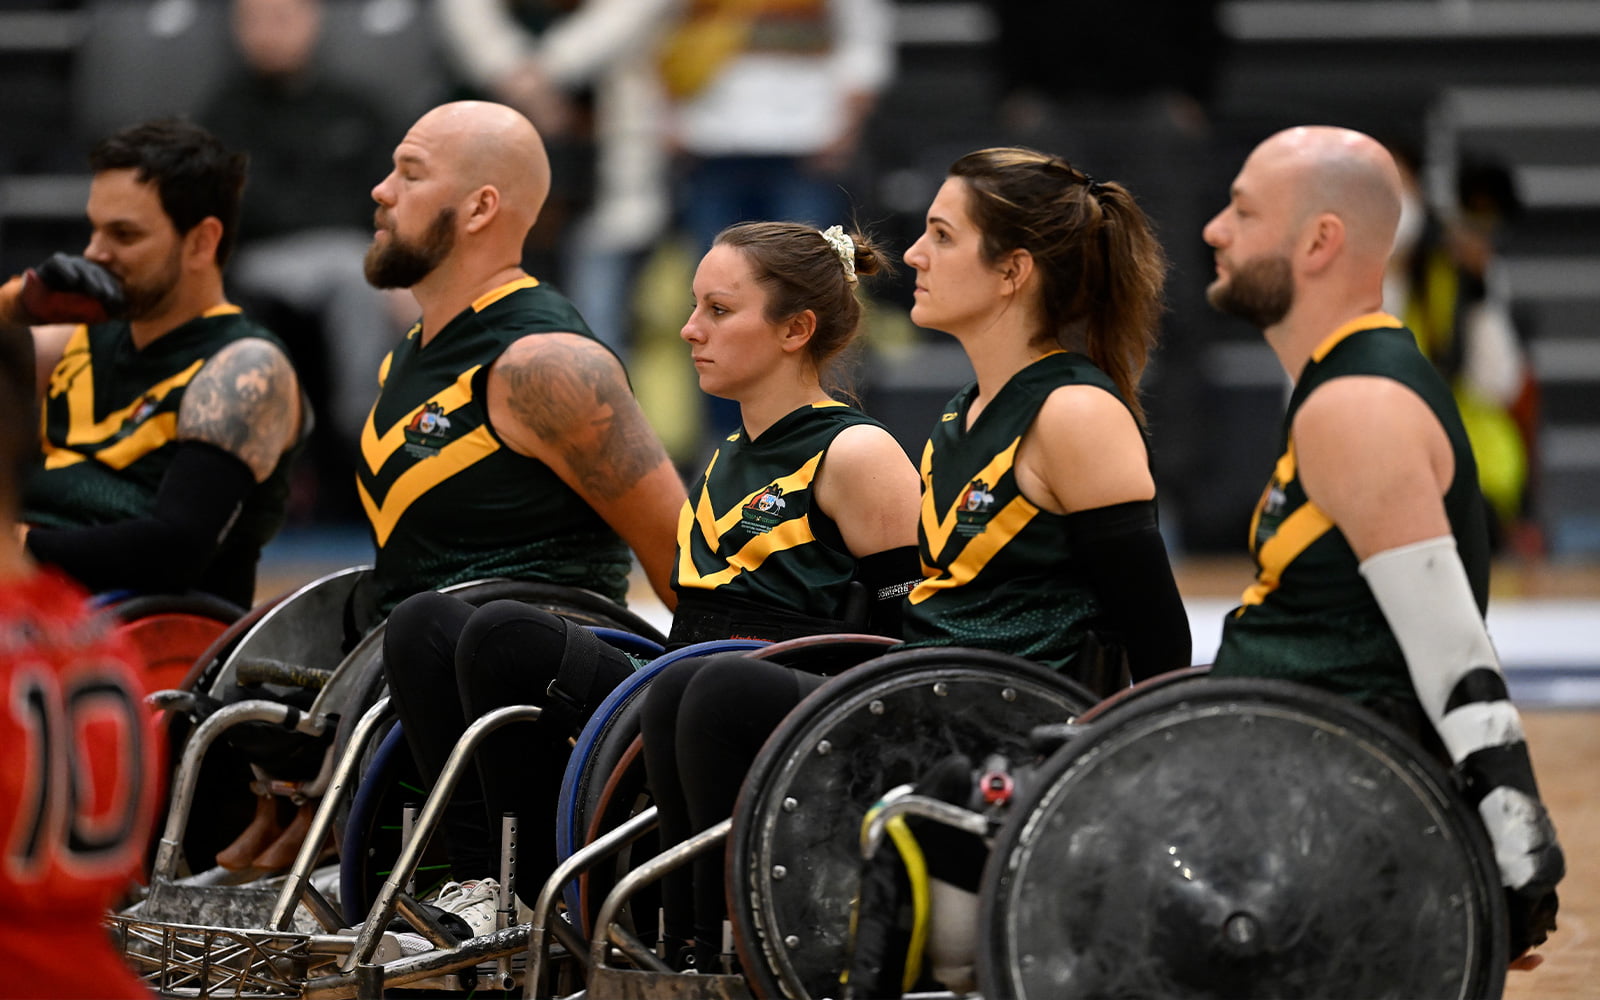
376	450
996	535
936	529
83	428
149	436
713	525
75	360
419	479
788	535
1296	534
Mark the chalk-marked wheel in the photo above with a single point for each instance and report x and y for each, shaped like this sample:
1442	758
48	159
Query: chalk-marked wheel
1241	839
793	860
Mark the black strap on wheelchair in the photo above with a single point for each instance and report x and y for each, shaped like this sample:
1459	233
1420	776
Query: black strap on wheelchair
573	684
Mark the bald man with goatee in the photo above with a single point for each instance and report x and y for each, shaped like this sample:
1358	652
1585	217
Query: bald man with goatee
1371	538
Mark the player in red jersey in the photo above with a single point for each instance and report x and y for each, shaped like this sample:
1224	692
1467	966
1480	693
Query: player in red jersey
81	772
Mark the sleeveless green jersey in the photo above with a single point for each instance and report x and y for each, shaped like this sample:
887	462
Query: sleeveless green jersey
998	571
447	501
751	535
110	431
1310	616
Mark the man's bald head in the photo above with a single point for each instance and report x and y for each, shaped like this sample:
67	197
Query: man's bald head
1339	171
481	144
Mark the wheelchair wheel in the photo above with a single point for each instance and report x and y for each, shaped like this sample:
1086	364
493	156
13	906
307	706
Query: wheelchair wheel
605	783
1241	839
596	803
793	860
367	822
171	631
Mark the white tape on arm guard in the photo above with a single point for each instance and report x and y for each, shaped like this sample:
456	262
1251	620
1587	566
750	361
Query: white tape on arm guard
1423	591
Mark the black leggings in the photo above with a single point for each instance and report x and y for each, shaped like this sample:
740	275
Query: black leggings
704	722
449	663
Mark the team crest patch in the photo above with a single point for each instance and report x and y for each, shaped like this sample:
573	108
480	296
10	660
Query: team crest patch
975	509
1272	503
428	431
138	415
764	511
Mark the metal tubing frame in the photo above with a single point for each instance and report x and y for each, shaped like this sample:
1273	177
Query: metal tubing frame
383	907
322	821
165	868
668	860
902	803
544	909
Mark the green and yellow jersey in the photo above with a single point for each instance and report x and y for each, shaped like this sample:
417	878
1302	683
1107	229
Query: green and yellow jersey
1310	616
109	431
757	557
447	501
998	571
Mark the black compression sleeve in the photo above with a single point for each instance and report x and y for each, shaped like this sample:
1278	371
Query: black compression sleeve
1121	553
888	576
167	552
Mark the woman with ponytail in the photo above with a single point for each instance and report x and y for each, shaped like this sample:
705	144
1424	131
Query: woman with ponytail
1038	529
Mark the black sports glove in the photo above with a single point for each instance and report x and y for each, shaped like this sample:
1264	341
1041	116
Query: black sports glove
1531	916
70	289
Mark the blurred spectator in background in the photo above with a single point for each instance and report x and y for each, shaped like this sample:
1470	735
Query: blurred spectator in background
1124	90
1443	283
583	72
769	100
315	144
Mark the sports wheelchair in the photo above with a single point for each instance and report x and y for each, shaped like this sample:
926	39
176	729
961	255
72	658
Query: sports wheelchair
1197	837
193	913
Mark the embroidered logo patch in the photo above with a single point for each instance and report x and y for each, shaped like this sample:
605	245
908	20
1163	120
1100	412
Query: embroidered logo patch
764	510
975	509
428	431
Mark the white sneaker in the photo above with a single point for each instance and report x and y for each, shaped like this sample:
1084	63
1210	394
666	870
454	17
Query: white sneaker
472	902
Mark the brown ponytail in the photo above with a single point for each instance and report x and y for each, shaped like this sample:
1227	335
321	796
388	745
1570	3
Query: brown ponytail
1101	269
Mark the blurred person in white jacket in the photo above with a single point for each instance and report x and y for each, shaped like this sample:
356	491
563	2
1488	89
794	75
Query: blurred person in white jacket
608	47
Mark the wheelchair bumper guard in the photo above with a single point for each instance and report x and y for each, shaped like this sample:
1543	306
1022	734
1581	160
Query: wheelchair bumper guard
187	960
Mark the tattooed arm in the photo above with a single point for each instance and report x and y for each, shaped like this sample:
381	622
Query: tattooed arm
246	401
564	400
239	415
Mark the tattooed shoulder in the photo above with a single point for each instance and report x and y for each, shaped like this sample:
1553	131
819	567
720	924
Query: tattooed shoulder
571	393
244	400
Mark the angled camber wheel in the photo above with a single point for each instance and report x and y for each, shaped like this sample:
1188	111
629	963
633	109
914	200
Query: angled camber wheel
793	857
368	823
594	795
606	782
171	631
1240	839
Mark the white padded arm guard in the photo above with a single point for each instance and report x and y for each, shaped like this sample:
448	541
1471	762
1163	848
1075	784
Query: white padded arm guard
1423	591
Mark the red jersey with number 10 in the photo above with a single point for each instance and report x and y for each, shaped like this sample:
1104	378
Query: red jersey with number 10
77	791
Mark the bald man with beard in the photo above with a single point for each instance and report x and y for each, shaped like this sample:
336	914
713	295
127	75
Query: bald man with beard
1371	539
505	440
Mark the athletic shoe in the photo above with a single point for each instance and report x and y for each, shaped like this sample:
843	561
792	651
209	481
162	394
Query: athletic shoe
465	909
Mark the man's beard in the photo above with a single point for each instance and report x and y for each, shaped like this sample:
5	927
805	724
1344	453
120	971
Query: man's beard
398	264
141	301
1260	292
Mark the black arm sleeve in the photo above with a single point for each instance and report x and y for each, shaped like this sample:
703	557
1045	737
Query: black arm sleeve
167	552
1124	559
888	577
